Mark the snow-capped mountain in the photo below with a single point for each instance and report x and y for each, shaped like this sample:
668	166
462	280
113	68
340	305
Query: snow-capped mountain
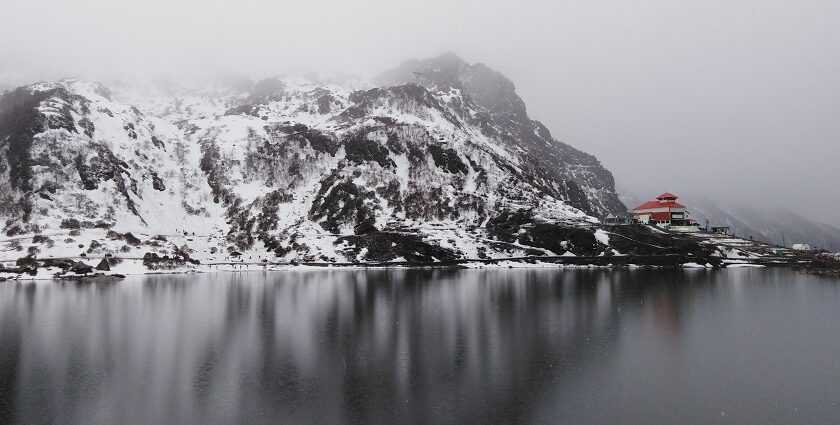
423	165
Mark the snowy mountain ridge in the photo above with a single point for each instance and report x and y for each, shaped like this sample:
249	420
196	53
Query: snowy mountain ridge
291	169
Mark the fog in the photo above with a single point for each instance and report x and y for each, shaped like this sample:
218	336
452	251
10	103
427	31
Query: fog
732	100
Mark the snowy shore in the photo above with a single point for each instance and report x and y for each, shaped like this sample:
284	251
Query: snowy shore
136	267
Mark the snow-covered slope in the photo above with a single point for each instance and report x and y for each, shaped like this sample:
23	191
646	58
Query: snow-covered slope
289	169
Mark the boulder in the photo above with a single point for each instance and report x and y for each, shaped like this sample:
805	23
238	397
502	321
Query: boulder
103	265
81	268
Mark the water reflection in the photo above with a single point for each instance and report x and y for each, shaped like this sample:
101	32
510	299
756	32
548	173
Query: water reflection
329	346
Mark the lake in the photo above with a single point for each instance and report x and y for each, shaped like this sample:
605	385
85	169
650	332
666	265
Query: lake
504	346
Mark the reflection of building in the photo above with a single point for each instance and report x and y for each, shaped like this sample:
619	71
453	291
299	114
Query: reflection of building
664	211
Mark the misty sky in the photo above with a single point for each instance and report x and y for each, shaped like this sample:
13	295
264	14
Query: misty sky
730	99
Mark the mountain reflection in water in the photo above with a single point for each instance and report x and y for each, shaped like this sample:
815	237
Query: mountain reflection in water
407	346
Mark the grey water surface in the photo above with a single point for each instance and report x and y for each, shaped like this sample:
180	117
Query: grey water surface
755	346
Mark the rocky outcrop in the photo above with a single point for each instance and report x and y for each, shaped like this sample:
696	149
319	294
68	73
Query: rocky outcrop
555	167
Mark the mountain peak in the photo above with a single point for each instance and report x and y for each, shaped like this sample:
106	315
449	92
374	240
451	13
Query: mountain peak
487	87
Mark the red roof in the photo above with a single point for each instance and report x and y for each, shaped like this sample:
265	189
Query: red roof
667	195
657	204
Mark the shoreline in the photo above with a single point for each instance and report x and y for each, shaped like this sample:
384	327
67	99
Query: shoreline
132	268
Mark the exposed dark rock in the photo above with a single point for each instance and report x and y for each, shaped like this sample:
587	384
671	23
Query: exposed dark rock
157	182
131	239
70	223
158	143
266	220
87	126
576	198
385	246
28	262
62	263
639	240
448	159
94	245
325	101
103	265
359	149
822	264
130	130
319	141
520	227
93	171
427	205
42	239
246	109
578	240
153	261
20	121
342	203
407	97
80	267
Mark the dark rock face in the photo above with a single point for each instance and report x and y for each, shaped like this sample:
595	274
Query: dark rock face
317	140
521	227
153	261
406	97
359	149
636	240
20	121
80	267
447	159
93	171
383	246
22	117
342	203
213	166
158	143
157	183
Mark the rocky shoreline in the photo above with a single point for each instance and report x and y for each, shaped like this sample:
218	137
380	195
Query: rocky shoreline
827	265
671	261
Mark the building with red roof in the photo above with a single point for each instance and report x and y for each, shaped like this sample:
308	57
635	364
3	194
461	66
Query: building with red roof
664	211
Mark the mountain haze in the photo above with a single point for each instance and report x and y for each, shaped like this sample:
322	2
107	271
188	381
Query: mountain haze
767	224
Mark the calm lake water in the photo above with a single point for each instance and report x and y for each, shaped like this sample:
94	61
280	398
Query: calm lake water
495	346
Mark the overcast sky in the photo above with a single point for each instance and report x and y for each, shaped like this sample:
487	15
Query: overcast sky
731	99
